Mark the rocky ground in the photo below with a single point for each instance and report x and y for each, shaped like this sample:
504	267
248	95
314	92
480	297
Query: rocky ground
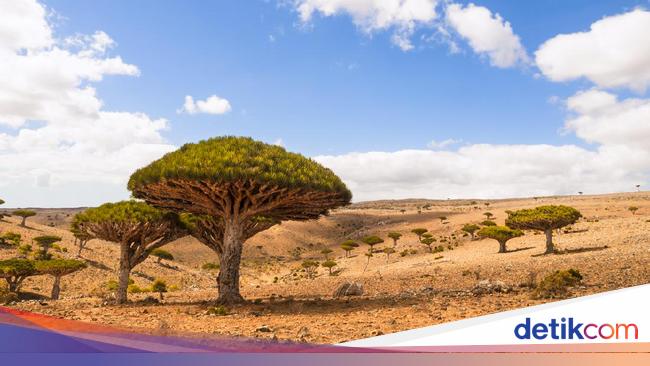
609	246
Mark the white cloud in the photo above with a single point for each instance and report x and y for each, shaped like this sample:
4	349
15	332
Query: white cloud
621	159
443	144
58	136
615	52
601	118
212	105
400	16
487	33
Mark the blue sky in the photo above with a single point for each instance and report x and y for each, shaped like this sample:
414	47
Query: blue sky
300	88
330	86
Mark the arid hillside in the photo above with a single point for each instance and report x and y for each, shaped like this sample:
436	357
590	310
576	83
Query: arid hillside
609	246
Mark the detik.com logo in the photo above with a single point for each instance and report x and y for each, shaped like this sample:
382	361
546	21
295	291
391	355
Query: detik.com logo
568	328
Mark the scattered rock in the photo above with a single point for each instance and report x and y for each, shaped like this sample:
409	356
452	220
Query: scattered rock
488	287
303	332
376	332
349	289
264	329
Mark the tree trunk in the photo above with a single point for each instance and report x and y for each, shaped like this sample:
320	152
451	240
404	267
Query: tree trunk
229	259
23	222
56	288
13	284
550	249
125	270
81	247
502	247
394	243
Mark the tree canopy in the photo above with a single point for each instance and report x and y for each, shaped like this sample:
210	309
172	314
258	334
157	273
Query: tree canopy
235	163
501	234
543	217
15	271
471	229
136	226
236	187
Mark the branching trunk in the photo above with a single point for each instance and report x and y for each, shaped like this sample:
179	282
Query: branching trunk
82	244
550	249
123	276
229	260
56	288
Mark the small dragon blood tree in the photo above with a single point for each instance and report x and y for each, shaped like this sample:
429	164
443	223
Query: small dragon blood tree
237	187
136	226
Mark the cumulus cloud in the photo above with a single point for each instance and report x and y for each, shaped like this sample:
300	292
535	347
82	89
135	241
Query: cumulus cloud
487	34
212	105
620	159
58	136
402	17
614	52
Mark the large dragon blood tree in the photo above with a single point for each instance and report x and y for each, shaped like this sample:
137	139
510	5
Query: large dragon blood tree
236	187
137	227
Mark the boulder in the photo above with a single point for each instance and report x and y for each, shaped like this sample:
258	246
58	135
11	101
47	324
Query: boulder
348	289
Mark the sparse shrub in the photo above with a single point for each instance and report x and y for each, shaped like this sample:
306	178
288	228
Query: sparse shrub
395	236
210	266
428	242
488	223
470	229
371	241
161	254
58	268
388	252
160	287
25	250
310	267
15	271
24	214
348	246
11	238
45	242
326	252
501	234
557	283
329	264
404	253
545	218
135	289
218	310
413	251
419	231
442	219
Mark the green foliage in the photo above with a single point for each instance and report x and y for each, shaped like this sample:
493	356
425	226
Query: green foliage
470	228
488	215
442	218
395	236
488	223
11	238
543	218
112	285
556	284
388	251
329	264
419	231
25	249
2	202
310	267
123	211
499	233
350	243
46	241
17	267
59	267
372	240
211	266
326	252
159	286
24	213
162	254
218	310
135	289
230	159
428	242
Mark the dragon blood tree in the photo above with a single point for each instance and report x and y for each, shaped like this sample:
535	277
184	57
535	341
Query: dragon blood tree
58	268
242	186
136	226
544	218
